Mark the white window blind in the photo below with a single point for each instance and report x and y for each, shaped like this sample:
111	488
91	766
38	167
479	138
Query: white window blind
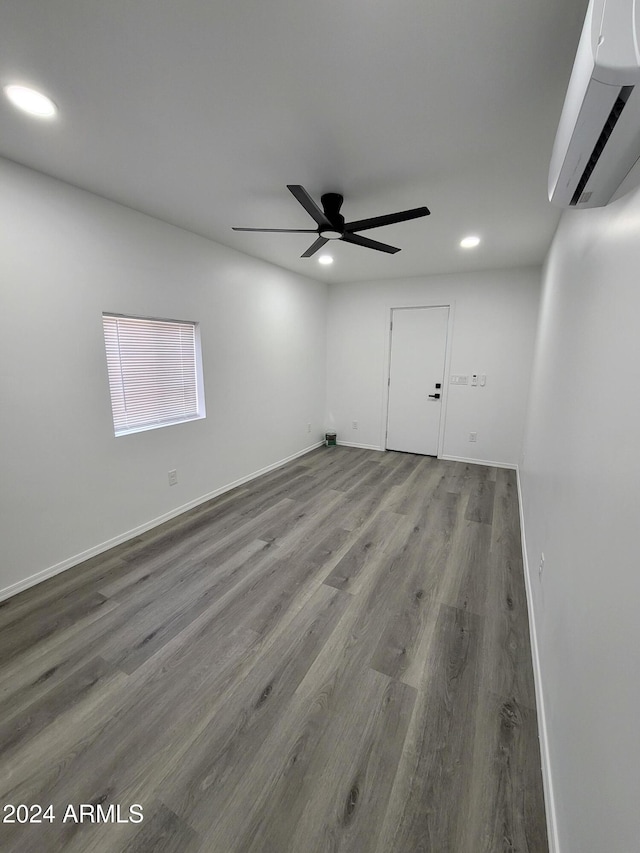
154	375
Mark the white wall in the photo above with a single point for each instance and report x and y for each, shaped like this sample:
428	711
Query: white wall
495	316
581	496
66	483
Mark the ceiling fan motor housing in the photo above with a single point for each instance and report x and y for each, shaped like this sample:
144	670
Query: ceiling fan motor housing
331	204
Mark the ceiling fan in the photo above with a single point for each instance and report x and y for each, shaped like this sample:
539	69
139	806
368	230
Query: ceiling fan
331	225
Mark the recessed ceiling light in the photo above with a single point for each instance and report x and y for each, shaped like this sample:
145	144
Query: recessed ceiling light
470	242
31	101
325	259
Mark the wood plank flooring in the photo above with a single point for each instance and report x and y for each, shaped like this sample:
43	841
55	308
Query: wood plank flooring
334	657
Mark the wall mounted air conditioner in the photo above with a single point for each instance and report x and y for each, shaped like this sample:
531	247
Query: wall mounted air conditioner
597	144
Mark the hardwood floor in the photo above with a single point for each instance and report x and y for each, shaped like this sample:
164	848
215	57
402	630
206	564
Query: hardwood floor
334	657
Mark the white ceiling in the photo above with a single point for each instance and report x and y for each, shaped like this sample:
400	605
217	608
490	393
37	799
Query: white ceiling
200	112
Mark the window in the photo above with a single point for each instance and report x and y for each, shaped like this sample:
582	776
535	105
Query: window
155	372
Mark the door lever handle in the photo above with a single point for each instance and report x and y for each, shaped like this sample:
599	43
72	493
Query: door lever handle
435	396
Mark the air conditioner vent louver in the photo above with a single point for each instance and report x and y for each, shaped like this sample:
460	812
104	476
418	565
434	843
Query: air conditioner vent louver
607	130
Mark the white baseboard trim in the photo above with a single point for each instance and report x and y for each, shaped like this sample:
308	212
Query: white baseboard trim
62	566
508	465
545	759
361	446
449	458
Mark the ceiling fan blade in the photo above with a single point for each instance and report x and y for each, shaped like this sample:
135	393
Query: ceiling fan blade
369	244
389	219
301	195
319	243
281	230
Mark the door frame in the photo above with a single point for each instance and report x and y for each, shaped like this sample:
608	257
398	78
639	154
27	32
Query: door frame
445	379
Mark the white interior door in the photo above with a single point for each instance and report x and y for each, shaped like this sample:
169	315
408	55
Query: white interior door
416	378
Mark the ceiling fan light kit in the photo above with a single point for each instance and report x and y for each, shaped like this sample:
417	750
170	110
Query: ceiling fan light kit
331	224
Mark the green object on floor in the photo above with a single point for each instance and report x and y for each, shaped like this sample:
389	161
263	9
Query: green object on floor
330	439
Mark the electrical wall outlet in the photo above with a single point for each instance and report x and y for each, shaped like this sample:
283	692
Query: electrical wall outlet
541	564
473	436
354	424
308	427
173	477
